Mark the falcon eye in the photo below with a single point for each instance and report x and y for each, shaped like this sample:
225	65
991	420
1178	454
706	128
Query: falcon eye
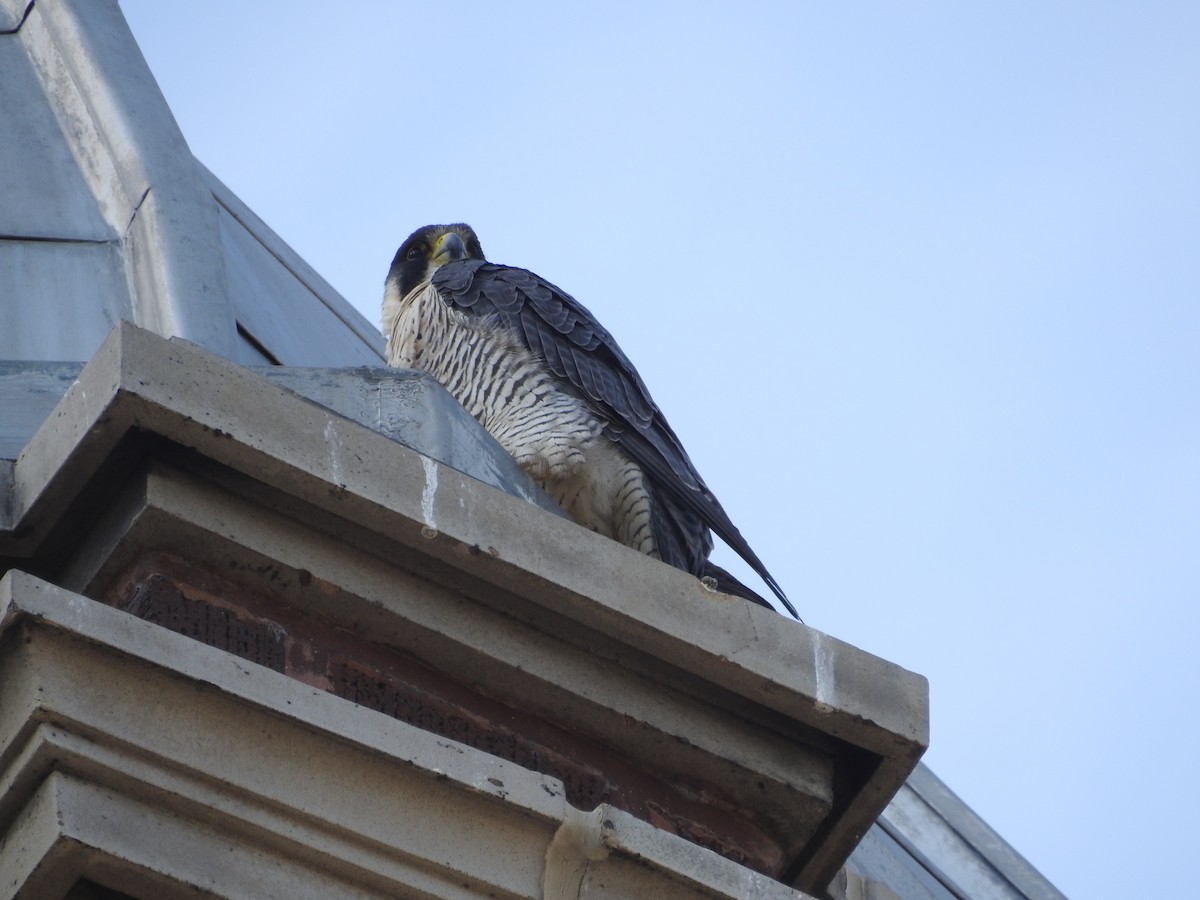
414	252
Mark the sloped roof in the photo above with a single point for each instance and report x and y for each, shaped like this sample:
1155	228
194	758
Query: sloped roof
108	216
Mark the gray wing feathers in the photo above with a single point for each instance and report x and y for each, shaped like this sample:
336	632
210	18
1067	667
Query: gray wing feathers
577	348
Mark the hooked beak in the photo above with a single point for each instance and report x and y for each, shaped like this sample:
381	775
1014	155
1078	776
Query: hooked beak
448	248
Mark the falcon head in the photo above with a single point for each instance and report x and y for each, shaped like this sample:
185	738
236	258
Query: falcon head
428	249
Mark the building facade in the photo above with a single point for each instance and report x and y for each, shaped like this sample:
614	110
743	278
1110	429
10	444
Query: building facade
276	621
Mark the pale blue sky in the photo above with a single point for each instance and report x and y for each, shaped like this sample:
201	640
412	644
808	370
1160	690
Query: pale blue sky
918	286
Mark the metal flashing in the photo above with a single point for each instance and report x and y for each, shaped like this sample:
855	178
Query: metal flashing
943	834
109	216
350	317
12	15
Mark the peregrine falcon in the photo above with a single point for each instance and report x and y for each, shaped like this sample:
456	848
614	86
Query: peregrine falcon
550	384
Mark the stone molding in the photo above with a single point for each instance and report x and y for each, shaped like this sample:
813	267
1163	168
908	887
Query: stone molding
778	730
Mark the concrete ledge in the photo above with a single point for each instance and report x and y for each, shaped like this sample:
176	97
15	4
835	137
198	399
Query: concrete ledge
406	405
631	733
189	454
135	758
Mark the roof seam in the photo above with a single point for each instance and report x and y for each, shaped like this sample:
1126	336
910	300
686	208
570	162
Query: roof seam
137	207
921	859
44	239
24	16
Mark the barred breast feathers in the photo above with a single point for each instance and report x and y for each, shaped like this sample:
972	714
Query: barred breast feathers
540	373
505	386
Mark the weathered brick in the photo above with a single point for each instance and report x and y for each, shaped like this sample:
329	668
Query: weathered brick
159	600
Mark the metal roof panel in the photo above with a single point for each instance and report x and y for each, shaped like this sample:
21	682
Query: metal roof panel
294	324
296	265
59	300
45	195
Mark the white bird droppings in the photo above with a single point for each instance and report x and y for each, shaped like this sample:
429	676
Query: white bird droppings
823	668
335	462
427	495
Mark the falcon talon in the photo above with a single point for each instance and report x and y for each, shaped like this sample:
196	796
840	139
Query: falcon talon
550	384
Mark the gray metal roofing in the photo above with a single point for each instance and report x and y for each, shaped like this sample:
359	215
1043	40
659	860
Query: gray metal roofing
106	215
929	845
